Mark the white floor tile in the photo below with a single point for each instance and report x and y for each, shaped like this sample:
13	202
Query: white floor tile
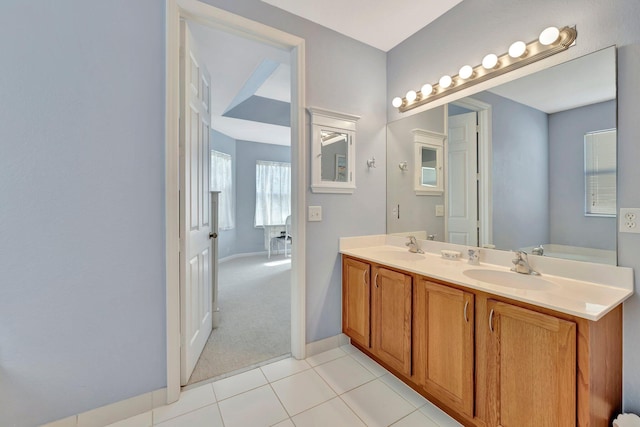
404	390
376	404
368	363
415	419
189	400
209	416
142	420
256	408
302	391
344	374
325	357
285	423
240	383
438	415
334	413
284	368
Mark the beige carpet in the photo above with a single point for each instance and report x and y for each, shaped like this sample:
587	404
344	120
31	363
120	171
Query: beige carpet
255	316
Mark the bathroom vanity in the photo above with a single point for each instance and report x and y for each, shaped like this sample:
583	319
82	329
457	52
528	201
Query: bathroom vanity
489	346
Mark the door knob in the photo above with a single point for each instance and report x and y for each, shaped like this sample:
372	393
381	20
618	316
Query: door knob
213	235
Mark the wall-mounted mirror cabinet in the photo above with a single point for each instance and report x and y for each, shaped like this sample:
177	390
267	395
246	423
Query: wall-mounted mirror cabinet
428	162
332	151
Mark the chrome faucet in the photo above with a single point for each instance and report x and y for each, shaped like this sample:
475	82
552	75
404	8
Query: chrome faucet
413	245
538	250
521	264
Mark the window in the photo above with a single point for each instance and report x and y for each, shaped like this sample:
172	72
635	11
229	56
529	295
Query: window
600	173
273	193
222	181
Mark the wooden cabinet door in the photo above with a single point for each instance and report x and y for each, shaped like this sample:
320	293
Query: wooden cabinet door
531	368
391	317
447	341
356	300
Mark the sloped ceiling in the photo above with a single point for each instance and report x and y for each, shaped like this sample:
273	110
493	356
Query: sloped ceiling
250	86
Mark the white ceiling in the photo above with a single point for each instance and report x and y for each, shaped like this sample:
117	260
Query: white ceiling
379	23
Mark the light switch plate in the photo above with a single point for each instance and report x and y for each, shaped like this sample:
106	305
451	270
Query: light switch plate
439	210
629	220
315	213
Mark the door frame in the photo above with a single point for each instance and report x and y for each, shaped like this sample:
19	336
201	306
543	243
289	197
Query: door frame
485	195
202	13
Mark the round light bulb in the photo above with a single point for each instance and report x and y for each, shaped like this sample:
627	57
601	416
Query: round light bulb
490	61
517	49
397	102
445	81
549	36
465	72
426	90
411	96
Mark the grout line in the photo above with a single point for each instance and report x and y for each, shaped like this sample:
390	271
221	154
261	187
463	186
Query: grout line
185	413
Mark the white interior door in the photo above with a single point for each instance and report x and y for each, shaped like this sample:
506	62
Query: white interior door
195	245
462	192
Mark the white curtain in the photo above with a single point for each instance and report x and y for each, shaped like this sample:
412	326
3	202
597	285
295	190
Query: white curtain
273	193
222	181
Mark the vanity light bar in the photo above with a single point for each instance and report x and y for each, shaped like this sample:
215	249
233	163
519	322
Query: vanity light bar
550	42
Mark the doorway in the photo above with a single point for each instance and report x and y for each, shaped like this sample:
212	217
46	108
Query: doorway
250	158
480	170
207	15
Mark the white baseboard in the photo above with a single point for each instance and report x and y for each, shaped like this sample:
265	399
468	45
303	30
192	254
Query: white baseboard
326	344
115	412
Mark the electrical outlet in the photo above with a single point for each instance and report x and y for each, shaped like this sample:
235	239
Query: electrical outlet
629	220
315	213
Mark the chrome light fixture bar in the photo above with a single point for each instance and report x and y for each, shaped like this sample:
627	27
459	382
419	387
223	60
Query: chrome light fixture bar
551	41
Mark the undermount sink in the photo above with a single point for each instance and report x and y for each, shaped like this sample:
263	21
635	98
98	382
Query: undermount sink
510	279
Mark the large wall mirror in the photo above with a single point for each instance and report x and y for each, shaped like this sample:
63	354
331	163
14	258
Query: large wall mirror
519	165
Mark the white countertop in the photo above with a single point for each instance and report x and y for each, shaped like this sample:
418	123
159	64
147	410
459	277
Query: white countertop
570	292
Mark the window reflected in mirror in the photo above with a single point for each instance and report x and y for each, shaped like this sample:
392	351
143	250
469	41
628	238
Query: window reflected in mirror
600	173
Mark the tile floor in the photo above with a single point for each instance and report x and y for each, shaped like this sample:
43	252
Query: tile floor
341	387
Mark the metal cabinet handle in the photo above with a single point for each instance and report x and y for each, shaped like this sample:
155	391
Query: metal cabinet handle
491	320
466	318
364	277
375	280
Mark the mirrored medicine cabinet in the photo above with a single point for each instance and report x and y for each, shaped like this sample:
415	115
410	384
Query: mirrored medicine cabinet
333	137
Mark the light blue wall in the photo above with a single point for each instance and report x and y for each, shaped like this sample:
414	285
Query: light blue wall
474	28
249	238
82	270
82	298
227	238
568	224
